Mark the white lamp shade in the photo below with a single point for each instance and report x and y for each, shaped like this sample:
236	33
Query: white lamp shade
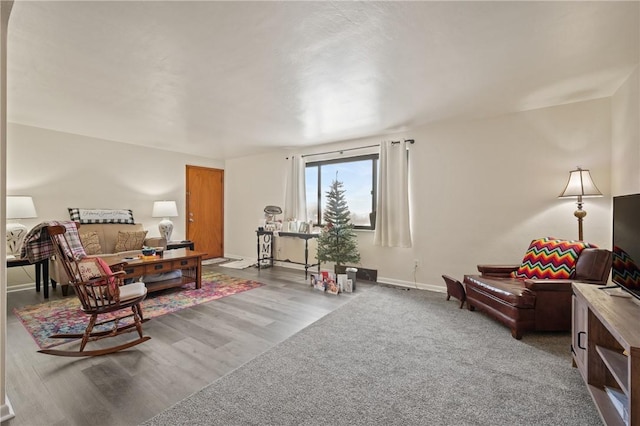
580	184
164	209
20	207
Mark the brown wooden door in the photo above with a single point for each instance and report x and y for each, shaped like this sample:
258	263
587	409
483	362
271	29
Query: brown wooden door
205	210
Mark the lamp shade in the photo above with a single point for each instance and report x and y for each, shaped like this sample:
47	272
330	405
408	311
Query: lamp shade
164	209
580	184
20	207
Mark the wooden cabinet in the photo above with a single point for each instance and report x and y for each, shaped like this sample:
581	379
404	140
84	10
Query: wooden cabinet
579	326
611	362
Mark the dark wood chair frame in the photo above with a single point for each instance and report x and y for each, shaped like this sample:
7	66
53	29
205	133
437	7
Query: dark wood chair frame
97	296
455	289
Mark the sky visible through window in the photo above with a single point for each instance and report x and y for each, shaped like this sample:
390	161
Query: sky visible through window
357	180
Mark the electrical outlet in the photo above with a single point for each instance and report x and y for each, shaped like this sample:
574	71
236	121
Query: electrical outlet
416	263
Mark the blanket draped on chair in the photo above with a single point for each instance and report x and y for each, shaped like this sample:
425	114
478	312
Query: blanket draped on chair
38	246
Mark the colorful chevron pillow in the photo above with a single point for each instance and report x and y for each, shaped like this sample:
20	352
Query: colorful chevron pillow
550	258
624	270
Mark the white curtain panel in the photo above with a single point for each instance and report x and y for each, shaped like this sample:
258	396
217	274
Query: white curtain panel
392	211
295	205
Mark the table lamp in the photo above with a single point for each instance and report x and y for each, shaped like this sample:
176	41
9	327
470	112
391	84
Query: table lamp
580	185
18	207
165	210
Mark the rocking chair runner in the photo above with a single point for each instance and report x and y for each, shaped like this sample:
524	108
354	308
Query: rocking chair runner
100	291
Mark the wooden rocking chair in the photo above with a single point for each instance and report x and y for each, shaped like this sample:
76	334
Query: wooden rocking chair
100	292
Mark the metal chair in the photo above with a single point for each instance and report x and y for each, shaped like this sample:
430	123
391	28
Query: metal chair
100	292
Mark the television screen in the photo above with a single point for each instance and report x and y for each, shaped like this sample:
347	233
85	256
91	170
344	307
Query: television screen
626	243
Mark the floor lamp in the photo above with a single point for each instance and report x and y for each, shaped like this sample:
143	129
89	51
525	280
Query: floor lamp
580	185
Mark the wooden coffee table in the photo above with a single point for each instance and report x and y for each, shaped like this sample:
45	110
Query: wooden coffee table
189	261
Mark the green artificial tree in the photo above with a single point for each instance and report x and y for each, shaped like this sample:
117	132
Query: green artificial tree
337	242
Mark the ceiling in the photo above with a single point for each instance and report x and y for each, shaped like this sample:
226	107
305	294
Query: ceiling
228	79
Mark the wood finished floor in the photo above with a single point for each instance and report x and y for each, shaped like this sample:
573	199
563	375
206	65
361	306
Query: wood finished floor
188	350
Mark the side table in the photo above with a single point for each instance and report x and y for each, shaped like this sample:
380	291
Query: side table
172	245
42	273
270	256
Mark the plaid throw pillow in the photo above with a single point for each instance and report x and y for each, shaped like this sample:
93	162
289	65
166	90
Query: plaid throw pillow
550	258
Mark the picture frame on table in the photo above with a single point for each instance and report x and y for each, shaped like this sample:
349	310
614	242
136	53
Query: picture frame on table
303	228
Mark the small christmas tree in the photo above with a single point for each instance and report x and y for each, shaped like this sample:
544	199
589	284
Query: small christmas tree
337	242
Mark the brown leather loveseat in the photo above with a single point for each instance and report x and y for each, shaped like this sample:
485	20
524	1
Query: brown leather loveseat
525	304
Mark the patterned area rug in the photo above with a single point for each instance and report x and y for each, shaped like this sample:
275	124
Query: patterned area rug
65	316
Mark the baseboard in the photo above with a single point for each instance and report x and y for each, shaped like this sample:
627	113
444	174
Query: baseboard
6	410
381	280
294	266
410	284
234	256
362	274
21	287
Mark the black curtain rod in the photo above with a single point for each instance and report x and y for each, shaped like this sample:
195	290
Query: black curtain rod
411	141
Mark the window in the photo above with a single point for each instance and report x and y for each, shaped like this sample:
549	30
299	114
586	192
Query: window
359	177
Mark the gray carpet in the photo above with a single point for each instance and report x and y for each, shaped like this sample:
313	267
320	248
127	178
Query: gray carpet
398	357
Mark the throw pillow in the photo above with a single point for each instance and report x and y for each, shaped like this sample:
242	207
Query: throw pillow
91	243
130	240
84	216
92	268
550	258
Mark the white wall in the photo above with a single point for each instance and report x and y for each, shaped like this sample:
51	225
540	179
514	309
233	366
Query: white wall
625	110
481	191
251	183
61	170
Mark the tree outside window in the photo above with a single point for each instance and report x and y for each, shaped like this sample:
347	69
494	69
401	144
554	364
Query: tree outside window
359	177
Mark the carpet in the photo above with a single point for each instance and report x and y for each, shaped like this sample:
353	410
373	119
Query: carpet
397	357
65	316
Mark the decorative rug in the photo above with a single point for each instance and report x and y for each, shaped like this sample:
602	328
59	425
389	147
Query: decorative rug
65	316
